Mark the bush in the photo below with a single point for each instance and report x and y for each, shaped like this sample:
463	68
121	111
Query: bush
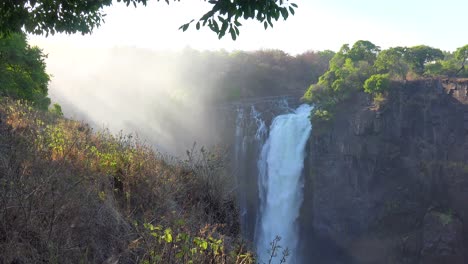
69	195
56	109
377	84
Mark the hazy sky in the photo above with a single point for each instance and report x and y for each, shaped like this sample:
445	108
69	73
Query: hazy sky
317	25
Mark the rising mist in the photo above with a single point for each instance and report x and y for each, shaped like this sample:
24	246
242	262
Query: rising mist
172	99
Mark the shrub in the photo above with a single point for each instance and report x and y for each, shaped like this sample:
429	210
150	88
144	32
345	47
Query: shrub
377	84
70	195
56	109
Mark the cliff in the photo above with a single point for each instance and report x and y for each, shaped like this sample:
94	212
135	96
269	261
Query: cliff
390	185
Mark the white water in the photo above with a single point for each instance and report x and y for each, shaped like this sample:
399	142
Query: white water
280	183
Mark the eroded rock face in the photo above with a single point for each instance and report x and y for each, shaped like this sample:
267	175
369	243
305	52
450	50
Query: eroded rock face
372	176
442	239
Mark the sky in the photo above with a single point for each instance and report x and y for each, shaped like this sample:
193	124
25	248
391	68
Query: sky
317	25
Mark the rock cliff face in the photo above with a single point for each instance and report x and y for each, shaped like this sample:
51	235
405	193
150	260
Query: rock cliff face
390	185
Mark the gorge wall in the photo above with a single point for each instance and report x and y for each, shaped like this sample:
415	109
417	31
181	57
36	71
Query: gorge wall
390	185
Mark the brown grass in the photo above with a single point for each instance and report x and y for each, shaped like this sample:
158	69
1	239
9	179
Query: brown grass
70	195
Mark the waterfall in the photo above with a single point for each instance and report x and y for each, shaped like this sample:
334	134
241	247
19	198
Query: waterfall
280	183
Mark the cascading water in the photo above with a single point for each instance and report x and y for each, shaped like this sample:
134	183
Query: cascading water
280	182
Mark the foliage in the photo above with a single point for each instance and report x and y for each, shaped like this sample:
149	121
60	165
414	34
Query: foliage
445	218
377	84
364	67
56	109
225	15
393	61
57	16
452	65
419	56
274	248
22	71
242	74
349	69
165	245
364	50
64	187
379	100
462	54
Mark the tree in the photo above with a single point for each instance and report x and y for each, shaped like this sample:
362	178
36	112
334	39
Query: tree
393	61
377	84
364	50
64	16
349	69
418	56
461	54
22	71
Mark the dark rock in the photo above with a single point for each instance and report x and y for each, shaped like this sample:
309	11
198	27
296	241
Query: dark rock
373	174
442	239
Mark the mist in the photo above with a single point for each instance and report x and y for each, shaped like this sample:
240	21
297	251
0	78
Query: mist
172	99
157	95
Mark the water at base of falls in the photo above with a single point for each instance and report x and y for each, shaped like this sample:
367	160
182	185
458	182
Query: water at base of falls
280	183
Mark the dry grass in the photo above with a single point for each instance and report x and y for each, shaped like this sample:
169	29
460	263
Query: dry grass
69	195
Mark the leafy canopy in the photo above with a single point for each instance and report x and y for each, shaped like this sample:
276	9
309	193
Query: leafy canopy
461	54
65	16
377	83
22	71
419	56
393	61
349	68
364	67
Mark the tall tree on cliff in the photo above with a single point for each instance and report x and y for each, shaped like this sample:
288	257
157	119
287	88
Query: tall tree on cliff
419	56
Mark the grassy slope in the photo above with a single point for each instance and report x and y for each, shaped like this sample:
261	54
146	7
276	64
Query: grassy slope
70	195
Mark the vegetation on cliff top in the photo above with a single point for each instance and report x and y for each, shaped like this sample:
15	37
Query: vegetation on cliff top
365	67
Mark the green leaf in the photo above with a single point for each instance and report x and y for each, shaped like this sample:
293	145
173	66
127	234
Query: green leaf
184	27
276	15
224	26
204	245
179	255
291	10
233	34
168	235
284	13
221	35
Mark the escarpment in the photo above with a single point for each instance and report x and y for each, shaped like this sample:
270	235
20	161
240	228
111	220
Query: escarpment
390	185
